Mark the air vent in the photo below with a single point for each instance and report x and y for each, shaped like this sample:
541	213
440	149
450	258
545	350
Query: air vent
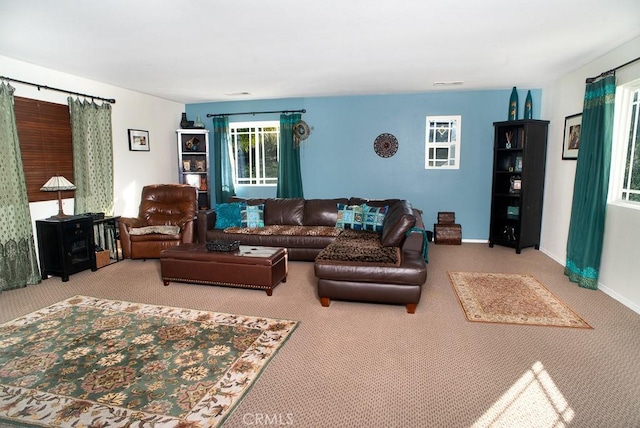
449	83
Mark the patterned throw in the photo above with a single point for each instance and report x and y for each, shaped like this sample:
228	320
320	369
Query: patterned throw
94	362
359	246
511	299
288	230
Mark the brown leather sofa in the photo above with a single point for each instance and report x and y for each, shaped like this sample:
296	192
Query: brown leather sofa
161	205
342	280
289	212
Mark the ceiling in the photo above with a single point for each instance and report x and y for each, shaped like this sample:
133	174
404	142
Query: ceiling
206	50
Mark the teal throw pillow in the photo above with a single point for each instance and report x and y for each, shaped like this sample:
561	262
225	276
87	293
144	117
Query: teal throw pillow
252	216
373	217
349	217
228	215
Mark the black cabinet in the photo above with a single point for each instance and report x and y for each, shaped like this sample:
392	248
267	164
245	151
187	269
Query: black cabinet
65	246
518	183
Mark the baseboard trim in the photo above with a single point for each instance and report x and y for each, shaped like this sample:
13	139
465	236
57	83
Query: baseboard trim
606	290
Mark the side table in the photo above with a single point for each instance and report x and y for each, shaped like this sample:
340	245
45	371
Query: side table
65	246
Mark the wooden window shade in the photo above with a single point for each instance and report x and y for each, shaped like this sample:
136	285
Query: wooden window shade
44	130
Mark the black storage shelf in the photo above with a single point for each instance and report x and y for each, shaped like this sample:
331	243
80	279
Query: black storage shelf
523	162
66	246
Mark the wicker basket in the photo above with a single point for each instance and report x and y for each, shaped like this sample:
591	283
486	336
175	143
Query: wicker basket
446	217
447	234
102	258
225	246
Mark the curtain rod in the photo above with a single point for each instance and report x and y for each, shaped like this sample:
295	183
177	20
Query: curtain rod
256	112
109	100
592	79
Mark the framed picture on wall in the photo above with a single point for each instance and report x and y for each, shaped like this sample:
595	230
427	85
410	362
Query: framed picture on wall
138	140
571	142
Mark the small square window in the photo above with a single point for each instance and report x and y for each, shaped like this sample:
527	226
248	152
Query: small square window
442	142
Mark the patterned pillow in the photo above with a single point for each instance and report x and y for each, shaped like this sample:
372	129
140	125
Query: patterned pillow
349	217
228	215
252	216
373	217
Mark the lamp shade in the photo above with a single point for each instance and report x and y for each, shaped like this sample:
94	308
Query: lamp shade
57	183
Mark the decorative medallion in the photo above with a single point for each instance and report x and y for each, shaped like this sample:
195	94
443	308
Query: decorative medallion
301	131
385	145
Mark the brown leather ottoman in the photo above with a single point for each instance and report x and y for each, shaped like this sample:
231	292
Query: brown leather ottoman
248	267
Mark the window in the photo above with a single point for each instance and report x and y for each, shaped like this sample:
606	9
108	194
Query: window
625	168
44	130
254	148
442	146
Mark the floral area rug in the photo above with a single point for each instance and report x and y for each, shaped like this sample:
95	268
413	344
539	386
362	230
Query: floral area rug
511	299
94	362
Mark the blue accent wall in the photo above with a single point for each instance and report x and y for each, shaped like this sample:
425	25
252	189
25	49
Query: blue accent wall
338	159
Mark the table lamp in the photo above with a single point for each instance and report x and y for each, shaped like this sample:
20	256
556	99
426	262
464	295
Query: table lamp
58	183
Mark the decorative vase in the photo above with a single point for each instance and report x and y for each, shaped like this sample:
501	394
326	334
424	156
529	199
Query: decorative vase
184	122
198	123
528	107
513	104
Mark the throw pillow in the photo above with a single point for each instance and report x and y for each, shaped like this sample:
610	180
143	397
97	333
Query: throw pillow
228	215
252	216
349	217
373	217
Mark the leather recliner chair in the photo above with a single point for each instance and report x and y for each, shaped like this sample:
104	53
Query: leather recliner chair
160	205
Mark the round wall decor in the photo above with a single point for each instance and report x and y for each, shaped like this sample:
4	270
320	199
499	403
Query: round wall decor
301	131
385	145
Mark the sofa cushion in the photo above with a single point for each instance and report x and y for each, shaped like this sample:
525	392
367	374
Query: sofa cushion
228	215
397	223
373	217
322	212
252	215
355	247
349	217
284	211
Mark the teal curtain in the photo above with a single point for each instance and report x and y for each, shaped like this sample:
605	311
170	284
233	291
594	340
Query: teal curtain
18	260
224	187
586	230
92	156
289	173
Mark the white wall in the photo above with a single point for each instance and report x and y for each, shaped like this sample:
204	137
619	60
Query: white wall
619	267
132	110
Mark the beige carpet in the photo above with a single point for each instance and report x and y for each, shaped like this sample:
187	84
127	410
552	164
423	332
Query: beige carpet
511	298
362	364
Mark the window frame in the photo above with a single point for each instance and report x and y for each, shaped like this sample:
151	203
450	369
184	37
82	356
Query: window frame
621	133
259	150
432	147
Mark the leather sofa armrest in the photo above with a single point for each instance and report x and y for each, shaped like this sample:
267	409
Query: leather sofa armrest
206	220
415	240
187	231
124	224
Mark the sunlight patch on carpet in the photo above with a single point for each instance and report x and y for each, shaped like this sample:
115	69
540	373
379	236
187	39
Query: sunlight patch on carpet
534	400
95	362
512	299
